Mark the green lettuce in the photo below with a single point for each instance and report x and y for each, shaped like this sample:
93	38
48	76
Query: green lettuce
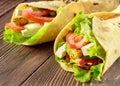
38	35
67	48
86	75
83	27
97	71
12	36
81	74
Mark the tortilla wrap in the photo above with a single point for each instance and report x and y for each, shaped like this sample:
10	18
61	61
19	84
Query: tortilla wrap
106	29
44	30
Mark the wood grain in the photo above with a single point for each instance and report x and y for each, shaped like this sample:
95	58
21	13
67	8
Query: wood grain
36	66
7	5
20	62
50	74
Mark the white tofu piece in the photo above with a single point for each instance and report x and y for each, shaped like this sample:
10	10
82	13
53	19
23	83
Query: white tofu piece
61	51
84	48
30	29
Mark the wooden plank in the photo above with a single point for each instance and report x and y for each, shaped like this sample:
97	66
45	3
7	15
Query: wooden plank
51	74
7	5
19	62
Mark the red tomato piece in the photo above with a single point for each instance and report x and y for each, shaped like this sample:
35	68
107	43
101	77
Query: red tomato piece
81	43
70	40
78	38
75	41
14	27
39	13
36	16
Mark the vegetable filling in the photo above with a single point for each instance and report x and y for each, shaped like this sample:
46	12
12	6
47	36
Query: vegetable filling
32	16
81	51
76	44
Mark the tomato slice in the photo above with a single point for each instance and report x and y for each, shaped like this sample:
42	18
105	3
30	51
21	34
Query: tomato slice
74	41
15	27
37	16
81	43
38	13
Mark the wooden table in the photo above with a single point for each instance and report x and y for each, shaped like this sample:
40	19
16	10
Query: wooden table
28	66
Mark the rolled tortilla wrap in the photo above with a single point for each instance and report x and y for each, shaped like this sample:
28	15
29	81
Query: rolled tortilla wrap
87	46
35	26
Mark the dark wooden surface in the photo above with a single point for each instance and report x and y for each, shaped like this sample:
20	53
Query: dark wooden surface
36	66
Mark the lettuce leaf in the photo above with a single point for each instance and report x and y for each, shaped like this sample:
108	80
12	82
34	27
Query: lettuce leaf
81	75
61	60
59	45
83	26
12	36
97	71
97	50
38	35
85	75
67	48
